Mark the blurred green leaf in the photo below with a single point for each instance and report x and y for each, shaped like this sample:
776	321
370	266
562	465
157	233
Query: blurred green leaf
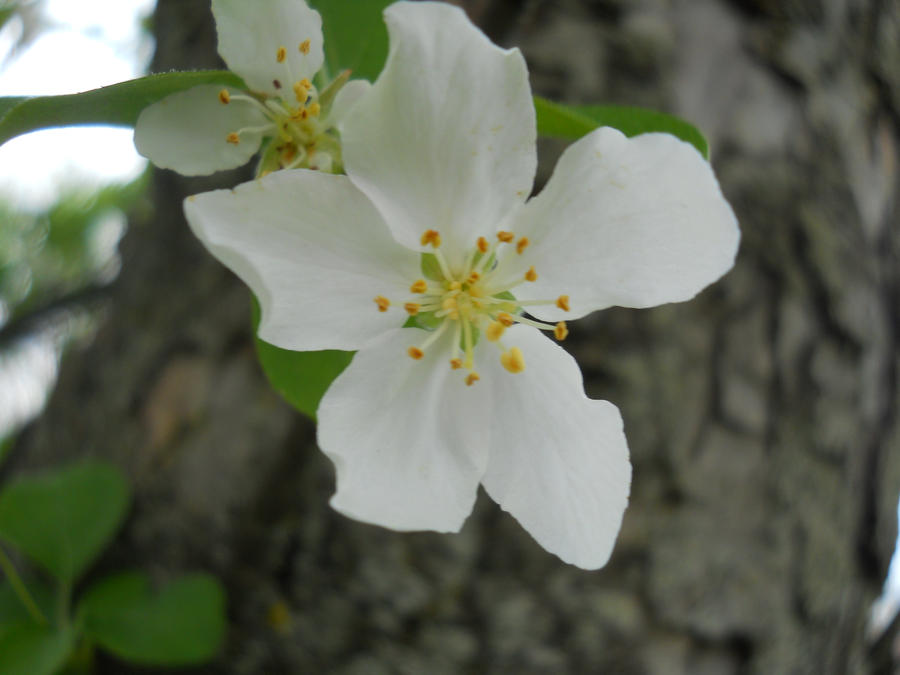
183	624
13	612
300	377
355	36
29	649
64	519
571	122
118	104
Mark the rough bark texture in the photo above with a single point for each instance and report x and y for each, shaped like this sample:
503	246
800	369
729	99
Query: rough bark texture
762	417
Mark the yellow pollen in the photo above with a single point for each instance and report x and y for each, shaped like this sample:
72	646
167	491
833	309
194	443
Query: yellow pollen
506	319
456	364
412	308
513	360
432	237
281	54
563	302
224	97
419	286
505	237
521	245
471	379
449	303
483	244
415	353
304	47
233	138
494	331
315	108
561	331
301	92
306	83
454	286
531	275
473	277
382	302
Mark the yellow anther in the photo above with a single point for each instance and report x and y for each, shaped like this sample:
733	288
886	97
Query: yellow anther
449	303
563	302
304	47
483	245
473	277
472	378
415	353
233	138
522	244
513	360
454	286
456	364
224	97
301	93
412	308
494	331
419	286
432	237
561	331
306	83
382	302
531	275
506	319
315	108
505	237
281	54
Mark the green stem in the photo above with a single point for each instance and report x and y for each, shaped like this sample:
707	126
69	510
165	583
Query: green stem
16	582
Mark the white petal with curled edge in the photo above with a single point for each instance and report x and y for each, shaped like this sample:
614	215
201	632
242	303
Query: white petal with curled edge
406	437
346	98
314	251
445	139
631	222
251	32
187	132
558	460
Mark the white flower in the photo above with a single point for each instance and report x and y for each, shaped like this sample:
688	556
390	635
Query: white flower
276	47
432	221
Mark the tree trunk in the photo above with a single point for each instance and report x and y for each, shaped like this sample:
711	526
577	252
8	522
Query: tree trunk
762	416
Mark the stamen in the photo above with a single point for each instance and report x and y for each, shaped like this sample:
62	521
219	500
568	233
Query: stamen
472	378
382	302
419	286
483	244
301	93
304	47
281	54
522	244
233	138
224	97
494	331
563	302
505	237
456	364
415	353
513	360
561	332
473	277
531	275
432	237
506	319
306	83
315	108
412	308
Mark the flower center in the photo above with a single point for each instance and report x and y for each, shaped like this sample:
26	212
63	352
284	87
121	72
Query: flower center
473	300
301	133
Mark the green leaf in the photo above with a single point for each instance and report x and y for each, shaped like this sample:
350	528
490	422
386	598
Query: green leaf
12	611
118	104
29	649
182	624
300	377
571	122
64	519
355	36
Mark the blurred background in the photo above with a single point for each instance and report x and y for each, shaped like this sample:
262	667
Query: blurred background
763	417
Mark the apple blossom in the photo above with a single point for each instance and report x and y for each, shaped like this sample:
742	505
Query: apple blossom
276	47
425	259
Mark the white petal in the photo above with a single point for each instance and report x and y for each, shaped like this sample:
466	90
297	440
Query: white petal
406	437
558	460
346	98
314	251
251	32
187	131
445	140
632	222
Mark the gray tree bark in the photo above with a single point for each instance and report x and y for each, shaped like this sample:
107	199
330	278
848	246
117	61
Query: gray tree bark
762	417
